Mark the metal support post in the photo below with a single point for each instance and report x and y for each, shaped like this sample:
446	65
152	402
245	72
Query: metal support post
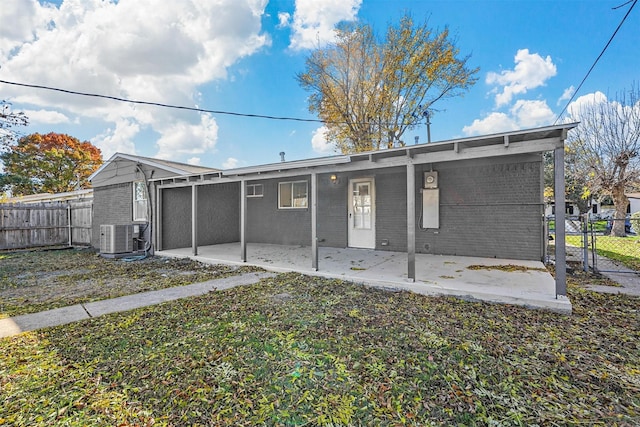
314	221
411	221
559	198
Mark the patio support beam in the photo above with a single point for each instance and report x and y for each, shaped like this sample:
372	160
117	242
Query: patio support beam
559	200
157	218
411	221
194	219
243	220
314	221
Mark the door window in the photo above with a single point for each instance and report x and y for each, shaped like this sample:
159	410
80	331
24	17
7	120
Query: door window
362	205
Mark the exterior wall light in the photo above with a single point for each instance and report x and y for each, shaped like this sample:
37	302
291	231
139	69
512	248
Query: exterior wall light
333	178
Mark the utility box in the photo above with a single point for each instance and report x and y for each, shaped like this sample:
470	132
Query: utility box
431	208
430	179
117	239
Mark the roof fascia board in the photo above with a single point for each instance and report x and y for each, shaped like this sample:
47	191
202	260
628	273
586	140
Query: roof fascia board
144	161
151	163
475	139
463	153
299	164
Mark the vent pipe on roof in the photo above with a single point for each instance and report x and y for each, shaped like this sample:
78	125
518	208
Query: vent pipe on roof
282	156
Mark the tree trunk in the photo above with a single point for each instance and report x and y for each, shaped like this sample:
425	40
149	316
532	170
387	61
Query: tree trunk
620	202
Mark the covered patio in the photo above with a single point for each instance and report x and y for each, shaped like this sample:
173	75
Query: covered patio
506	281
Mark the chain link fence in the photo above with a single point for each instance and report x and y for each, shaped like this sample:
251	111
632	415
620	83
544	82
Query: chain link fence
591	245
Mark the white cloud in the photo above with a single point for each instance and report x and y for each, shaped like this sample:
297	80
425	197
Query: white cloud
18	18
283	19
523	115
181	137
230	163
531	71
131	49
530	114
46	117
493	123
313	21
194	161
319	141
118	139
575	108
567	94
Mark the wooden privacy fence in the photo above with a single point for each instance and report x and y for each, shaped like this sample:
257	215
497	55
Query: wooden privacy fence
25	225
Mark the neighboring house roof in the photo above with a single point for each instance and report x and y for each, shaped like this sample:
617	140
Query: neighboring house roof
55	197
168	165
633	195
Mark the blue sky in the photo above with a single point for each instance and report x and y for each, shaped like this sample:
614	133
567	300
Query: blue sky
242	56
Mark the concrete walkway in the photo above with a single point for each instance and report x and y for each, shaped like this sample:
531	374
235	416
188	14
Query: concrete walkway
61	316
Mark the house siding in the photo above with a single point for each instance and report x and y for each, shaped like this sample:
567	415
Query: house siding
332	211
268	224
488	208
391	209
176	218
218	213
112	204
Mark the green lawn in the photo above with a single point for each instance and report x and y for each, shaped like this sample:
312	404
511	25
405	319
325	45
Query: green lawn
623	249
297	350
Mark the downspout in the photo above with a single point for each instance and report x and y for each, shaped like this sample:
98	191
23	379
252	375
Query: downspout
149	229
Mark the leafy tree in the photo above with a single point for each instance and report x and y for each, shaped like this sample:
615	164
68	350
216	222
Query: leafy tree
369	92
50	163
607	148
576	184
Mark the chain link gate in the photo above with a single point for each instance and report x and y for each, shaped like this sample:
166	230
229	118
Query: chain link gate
610	253
574	240
590	245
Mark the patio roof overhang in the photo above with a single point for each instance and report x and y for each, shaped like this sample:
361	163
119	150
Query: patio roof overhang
504	144
539	140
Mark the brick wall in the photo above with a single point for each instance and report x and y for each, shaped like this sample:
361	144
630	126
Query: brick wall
332	211
218	213
391	209
268	224
176	218
111	205
488	208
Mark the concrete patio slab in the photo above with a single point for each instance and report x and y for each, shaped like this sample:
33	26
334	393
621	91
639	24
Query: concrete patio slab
528	283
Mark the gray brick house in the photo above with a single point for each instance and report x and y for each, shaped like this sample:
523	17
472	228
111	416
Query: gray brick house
121	189
479	196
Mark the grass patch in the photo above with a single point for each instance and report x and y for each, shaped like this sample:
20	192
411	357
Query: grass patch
625	250
297	350
41	280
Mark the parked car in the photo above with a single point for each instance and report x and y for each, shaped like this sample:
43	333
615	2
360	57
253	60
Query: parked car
627	225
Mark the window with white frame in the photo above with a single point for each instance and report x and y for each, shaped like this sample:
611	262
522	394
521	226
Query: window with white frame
140	201
292	195
255	190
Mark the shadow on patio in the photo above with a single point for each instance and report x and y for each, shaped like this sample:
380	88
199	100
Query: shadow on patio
519	282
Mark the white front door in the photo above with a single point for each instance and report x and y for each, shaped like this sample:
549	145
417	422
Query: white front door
362	213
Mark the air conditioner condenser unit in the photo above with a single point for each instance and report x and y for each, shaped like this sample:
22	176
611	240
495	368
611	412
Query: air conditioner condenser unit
116	239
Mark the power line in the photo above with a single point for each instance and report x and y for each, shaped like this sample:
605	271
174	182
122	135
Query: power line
598	58
159	104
